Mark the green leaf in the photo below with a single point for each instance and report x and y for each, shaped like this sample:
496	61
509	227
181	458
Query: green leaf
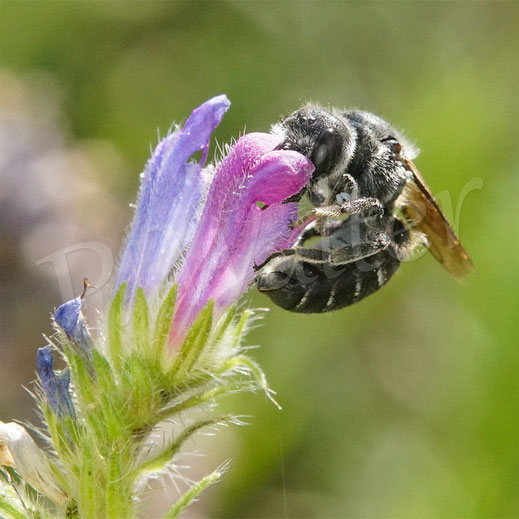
188	497
163	321
141	325
115	327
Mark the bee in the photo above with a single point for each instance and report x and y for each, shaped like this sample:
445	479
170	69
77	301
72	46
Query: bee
371	210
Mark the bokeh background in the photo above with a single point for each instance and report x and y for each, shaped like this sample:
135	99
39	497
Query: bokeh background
405	405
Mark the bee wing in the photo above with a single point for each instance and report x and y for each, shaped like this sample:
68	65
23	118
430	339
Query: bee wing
425	215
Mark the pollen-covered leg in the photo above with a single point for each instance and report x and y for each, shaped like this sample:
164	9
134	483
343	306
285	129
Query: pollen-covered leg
340	255
370	205
334	256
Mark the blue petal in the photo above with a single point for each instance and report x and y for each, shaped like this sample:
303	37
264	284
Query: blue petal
68	316
55	387
167	211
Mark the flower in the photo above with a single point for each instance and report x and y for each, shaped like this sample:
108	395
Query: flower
69	319
225	239
172	188
55	387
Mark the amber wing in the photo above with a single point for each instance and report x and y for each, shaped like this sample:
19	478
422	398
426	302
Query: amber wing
424	214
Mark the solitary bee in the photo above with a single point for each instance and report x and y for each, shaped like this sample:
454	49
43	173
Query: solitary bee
372	209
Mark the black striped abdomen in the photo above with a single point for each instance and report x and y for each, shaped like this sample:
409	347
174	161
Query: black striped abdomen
304	287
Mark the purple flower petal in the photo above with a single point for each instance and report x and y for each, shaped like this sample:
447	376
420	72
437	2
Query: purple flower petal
55	387
234	233
68	316
170	194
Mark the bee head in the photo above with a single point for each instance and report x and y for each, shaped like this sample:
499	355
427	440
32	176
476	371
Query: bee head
319	135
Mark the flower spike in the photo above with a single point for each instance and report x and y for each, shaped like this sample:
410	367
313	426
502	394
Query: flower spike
171	339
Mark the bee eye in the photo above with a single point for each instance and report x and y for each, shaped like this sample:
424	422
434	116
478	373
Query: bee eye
325	152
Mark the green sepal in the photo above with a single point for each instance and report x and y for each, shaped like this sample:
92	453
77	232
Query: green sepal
188	497
109	408
241	328
223	324
163	322
241	361
58	431
10	505
141	324
202	397
103	370
81	377
158	462
10	511
118	494
115	328
66	482
113	417
140	390
193	345
87	483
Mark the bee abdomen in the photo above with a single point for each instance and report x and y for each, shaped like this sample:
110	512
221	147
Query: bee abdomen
304	287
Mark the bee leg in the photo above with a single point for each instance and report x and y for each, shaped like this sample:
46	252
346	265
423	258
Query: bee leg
316	196
335	256
316	229
352	253
311	255
340	255
369	206
309	232
269	258
347	207
347	185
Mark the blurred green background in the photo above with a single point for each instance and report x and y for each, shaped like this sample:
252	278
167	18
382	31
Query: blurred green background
405	405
